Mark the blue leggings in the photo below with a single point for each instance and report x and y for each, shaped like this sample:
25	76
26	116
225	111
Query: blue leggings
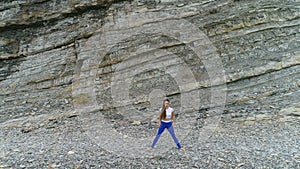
161	129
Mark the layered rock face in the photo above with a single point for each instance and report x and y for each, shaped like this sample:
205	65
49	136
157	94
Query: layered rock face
121	58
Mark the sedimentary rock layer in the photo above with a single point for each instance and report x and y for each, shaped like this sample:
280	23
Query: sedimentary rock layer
57	54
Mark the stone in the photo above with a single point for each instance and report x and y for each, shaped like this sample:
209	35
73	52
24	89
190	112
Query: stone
53	165
3	166
289	114
240	164
180	5
262	117
71	152
136	123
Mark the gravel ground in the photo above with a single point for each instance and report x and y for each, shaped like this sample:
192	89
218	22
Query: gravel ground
257	140
235	144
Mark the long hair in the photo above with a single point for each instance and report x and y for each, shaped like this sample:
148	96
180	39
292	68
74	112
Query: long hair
163	112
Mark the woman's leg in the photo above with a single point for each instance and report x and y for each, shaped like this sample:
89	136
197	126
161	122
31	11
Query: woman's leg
171	131
159	132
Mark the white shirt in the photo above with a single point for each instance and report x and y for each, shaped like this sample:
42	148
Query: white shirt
169	112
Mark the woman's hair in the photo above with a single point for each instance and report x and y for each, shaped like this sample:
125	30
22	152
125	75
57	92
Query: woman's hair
163	112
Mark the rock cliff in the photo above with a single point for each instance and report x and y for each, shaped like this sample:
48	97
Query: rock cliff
46	47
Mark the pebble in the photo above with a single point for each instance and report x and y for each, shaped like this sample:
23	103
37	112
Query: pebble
52	165
241	164
136	123
71	152
30	160
221	159
140	4
180	5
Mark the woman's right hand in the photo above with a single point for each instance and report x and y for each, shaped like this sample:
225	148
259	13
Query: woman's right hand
159	124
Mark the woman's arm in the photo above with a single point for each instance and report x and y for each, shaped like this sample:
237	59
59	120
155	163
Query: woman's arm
173	117
159	119
158	123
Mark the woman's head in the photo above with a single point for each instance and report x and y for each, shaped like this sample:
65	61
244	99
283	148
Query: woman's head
166	103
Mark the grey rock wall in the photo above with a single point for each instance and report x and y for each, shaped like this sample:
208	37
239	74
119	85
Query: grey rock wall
59	54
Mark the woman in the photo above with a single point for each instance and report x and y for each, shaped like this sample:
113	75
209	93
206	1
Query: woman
166	120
